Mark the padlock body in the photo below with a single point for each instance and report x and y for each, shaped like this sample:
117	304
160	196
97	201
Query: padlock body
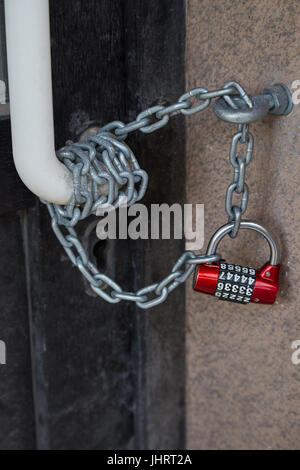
266	285
238	283
206	278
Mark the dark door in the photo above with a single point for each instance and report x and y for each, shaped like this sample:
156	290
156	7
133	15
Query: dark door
80	373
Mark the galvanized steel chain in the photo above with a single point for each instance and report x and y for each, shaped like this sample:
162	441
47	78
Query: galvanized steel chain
238	186
105	171
101	284
189	103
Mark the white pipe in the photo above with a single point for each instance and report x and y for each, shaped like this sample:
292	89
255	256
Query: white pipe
30	92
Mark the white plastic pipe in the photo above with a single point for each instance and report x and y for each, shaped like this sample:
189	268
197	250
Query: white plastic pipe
30	92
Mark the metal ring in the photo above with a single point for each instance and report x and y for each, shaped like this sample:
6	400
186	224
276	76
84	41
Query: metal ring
129	296
233	148
228	201
239	175
225	229
201	259
236	220
240	91
190	94
149	113
244	114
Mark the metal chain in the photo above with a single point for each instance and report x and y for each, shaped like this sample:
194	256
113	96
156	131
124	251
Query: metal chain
156	117
108	289
238	185
105	171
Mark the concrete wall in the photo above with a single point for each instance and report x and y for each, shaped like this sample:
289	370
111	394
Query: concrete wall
242	388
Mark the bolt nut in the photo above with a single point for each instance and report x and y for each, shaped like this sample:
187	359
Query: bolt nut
281	98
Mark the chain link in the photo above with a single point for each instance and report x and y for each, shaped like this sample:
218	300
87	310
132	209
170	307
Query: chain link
105	171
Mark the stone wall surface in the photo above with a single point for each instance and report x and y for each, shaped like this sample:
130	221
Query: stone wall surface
242	387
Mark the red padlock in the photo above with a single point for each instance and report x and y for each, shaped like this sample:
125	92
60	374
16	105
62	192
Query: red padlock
238	283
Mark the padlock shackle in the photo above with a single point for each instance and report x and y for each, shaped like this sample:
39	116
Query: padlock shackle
225	229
